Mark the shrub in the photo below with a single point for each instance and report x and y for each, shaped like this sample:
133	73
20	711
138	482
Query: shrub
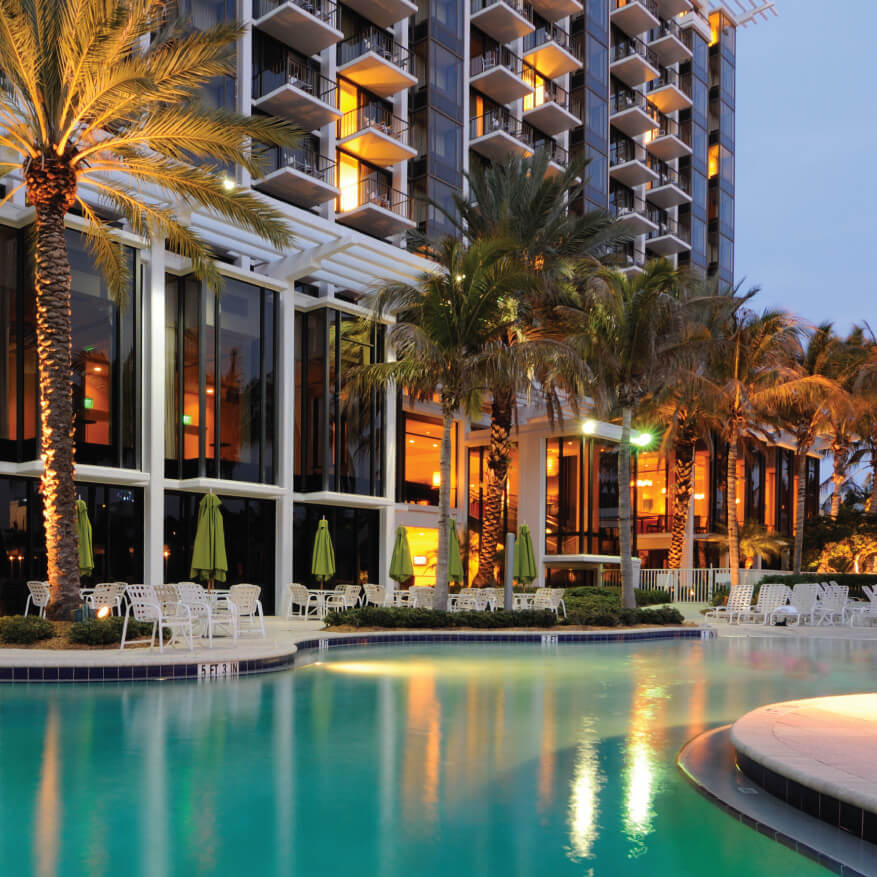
644	596
392	617
854	581
22	629
601	616
106	631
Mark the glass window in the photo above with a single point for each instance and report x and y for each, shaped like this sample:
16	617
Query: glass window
720	486
606	497
785	491
445	145
598	16
449	14
596	61
446	79
596	173
421	460
755	488
650	492
597	114
701	491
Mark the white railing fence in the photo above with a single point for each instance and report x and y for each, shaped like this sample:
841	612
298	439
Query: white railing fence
686	585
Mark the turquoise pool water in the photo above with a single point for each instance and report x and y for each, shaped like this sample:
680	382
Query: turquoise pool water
468	760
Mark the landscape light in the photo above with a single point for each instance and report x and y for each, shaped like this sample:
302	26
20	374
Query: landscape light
104	612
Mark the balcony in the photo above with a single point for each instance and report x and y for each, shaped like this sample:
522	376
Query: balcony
668	237
631	113
551	10
308	26
628	163
667	93
300	176
504	20
497	134
633	62
552	51
549	108
664	140
626	258
374	207
670	43
298	93
634	16
376	62
383	12
374	134
499	73
672	8
629	208
558	157
669	188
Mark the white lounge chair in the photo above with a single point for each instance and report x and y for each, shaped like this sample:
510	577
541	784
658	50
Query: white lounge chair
804	599
770	598
212	614
739	603
39	595
244	603
863	610
831	608
144	604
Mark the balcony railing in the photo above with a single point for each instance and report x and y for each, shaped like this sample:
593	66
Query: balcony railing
500	120
666	225
667	176
626	98
670	28
625	255
478	5
373	116
373	189
493	58
325	10
651	5
306	161
623	201
544	90
623	151
552	33
378	41
632	46
556	153
667	77
667	127
293	71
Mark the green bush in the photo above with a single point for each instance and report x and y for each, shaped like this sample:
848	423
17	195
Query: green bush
391	617
106	631
22	629
854	581
603	616
644	596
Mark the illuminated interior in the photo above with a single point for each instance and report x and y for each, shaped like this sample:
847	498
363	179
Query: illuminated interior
714	160
422	461
423	543
348	177
651	491
701	491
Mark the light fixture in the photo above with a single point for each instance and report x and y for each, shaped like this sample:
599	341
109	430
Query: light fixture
104	612
641	440
228	184
410	441
436	479
419	560
88	402
210	391
187	420
589	427
97	369
699	496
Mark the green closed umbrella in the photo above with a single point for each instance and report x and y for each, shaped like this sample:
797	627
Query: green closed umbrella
401	567
524	569
323	558
83	531
209	561
455	562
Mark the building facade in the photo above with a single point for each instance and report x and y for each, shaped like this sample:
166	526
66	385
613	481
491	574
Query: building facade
178	391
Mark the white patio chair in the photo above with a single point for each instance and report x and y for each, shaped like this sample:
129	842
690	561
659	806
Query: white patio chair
144	604
470	600
422	597
39	595
556	595
543	599
307	602
106	594
770	598
211	614
244	603
495	598
352	596
805	598
831	608
864	610
375	595
739	603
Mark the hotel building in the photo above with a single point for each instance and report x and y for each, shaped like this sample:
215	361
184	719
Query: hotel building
179	391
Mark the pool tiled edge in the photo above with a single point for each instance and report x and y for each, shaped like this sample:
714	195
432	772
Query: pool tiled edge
206	669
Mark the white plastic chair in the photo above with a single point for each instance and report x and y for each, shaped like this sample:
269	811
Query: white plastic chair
831	607
40	594
471	600
375	595
245	604
805	598
739	603
106	594
862	611
770	598
143	602
301	597
422	597
216	614
352	595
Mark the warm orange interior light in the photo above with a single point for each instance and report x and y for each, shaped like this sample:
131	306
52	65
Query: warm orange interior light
714	160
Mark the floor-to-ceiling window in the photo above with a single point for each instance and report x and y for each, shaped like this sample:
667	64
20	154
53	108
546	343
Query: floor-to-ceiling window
785	493
338	436
220	374
419	461
650	492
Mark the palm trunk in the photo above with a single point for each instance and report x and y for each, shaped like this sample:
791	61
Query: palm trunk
51	187
683	475
840	458
800	505
733	526
444	516
628	596
499	456
872	505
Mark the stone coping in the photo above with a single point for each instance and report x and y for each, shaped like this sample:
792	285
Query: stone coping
826	744
262	656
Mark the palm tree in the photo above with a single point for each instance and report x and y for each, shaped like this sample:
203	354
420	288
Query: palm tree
100	96
442	336
519	202
631	334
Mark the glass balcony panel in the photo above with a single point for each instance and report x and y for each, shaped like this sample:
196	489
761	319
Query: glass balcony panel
300	176
376	62
372	133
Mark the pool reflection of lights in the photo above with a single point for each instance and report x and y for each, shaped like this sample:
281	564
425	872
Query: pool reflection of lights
583	802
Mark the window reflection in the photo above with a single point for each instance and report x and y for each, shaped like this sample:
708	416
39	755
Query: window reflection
421	460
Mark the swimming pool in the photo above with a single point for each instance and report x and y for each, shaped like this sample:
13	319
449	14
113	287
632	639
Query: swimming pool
403	760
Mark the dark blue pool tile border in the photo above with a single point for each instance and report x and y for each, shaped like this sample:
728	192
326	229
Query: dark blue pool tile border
849	818
786	840
172	672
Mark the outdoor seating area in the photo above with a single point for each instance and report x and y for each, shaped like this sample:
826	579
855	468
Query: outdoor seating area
805	603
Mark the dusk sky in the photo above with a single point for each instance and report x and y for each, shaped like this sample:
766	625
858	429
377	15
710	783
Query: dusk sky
806	210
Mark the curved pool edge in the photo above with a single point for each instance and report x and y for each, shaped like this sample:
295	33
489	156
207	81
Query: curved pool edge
708	763
47	666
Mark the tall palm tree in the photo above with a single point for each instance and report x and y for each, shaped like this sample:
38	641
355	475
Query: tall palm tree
631	334
444	329
518	201
100	97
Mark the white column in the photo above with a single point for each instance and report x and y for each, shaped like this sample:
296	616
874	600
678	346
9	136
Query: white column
154	414
285	451
244	90
531	494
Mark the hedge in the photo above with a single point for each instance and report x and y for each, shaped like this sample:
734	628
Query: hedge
644	596
103	632
391	617
606	616
20	629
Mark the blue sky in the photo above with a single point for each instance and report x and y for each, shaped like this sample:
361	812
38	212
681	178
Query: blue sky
806	160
